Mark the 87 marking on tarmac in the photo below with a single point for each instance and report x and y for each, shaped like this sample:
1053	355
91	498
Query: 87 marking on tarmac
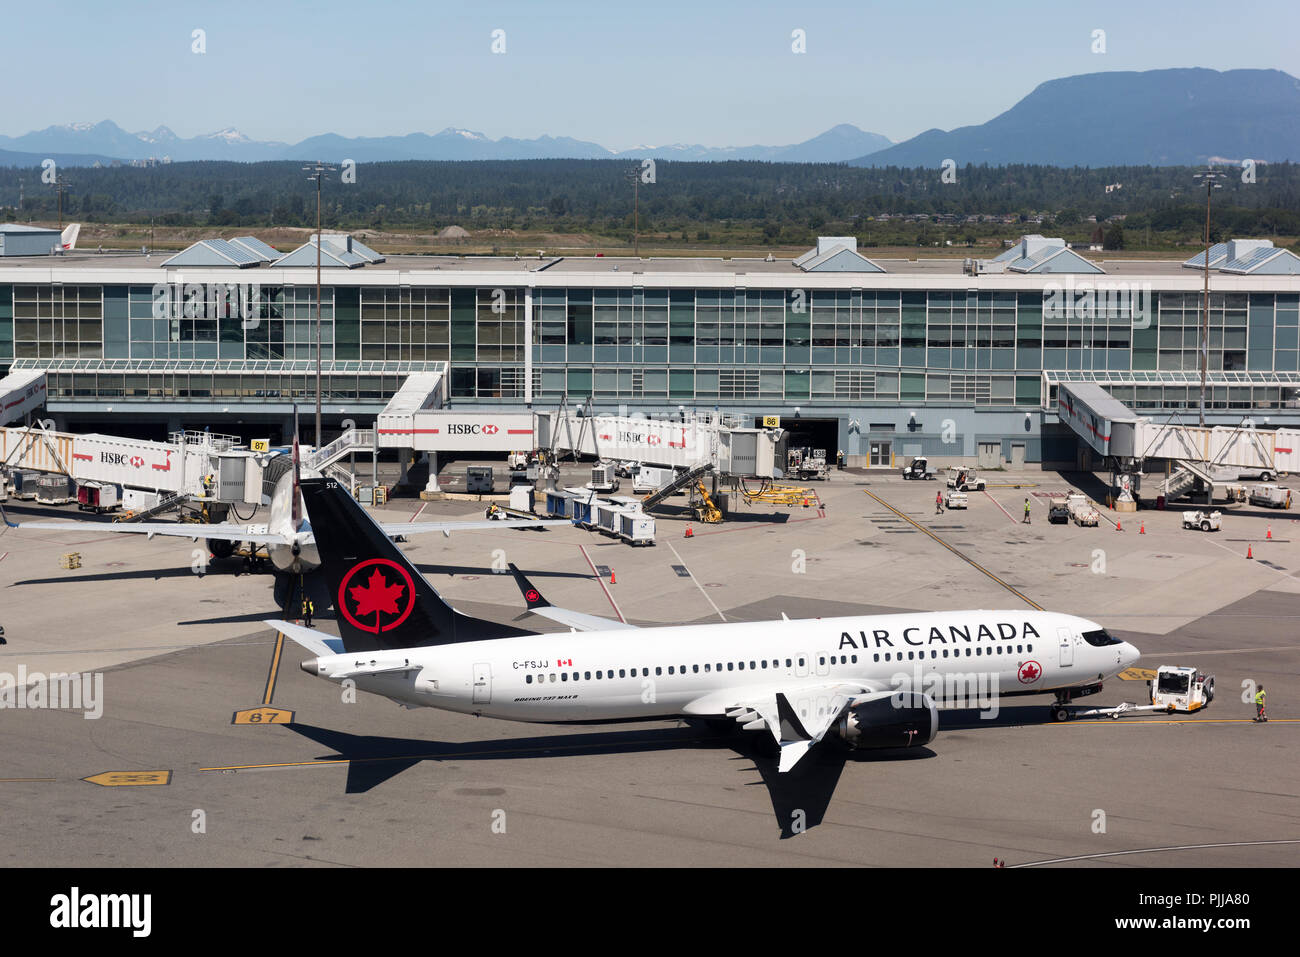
265	714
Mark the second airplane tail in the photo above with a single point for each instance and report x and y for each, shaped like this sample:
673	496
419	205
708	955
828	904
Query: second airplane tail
381	599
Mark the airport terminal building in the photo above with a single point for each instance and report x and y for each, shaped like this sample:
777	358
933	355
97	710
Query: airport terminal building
882	359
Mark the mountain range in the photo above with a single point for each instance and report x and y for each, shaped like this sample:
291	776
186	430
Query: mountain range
84	143
1157	118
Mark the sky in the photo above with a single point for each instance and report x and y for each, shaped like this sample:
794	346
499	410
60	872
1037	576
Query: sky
622	74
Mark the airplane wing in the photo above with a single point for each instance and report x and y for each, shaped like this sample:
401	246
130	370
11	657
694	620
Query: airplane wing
255	534
798	716
317	642
392	529
574	619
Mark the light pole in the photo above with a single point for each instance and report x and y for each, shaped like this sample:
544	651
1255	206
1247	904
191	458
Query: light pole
318	171
636	211
1211	177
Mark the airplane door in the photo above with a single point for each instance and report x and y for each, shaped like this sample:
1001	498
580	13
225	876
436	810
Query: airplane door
823	663
1067	647
801	664
482	683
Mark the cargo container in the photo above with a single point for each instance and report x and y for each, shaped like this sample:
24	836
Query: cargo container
98	497
55	490
636	528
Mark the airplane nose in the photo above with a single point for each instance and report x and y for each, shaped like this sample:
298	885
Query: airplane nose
1130	655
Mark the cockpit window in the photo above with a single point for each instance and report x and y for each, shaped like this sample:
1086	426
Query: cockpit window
1100	638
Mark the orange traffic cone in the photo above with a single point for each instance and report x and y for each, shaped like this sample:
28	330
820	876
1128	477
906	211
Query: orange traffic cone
1142	529
612	579
689	533
1119	526
1249	553
1269	536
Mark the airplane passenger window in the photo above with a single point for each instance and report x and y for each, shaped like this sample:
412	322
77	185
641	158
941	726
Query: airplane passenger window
586	676
599	675
622	673
765	664
658	671
552	677
670	670
742	666
731	666
1020	649
645	672
933	653
945	652
979	651
575	676
528	679
855	659
695	669
752	666
876	656
787	662
564	676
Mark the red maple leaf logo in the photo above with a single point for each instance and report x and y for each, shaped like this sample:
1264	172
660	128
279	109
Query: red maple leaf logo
376	595
1029	672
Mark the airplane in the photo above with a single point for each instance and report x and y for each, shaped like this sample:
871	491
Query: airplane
289	534
68	239
802	681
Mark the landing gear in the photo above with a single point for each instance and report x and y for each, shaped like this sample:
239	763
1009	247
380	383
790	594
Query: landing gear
1060	712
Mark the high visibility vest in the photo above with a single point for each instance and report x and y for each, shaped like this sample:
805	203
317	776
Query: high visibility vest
1259	697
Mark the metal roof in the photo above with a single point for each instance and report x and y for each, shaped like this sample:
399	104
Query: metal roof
215	252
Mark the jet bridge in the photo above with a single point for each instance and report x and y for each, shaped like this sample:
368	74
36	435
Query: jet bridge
192	463
1112	429
21	393
683	441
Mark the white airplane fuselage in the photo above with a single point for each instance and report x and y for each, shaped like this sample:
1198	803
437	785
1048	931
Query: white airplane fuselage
298	553
707	669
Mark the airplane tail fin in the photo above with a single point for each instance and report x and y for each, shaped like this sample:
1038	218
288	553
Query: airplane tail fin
381	599
70	234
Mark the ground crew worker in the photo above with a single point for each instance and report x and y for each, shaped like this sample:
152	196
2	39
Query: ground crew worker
308	609
1026	521
938	503
839	460
1259	705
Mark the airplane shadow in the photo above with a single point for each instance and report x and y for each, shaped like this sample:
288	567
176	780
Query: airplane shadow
800	797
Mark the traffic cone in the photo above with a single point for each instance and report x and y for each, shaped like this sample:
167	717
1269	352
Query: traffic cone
1249	553
1142	529
689	533
1119	526
1269	536
612	579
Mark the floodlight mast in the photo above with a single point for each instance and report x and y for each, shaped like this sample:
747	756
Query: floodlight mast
1211	177
318	171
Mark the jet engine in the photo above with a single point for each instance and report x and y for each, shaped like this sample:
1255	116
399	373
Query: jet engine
901	719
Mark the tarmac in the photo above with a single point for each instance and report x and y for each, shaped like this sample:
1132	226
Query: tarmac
176	782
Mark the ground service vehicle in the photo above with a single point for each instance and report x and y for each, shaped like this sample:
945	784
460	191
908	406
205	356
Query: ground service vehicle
1081	510
805	463
957	499
1205	521
1175	689
1270	496
918	468
1058	512
965	480
603	478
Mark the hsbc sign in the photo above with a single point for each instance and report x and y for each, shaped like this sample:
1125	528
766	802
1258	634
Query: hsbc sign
471	428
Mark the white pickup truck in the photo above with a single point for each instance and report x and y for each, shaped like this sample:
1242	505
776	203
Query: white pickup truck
1205	521
1081	511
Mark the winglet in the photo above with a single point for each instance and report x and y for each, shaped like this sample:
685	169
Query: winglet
792	728
532	597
